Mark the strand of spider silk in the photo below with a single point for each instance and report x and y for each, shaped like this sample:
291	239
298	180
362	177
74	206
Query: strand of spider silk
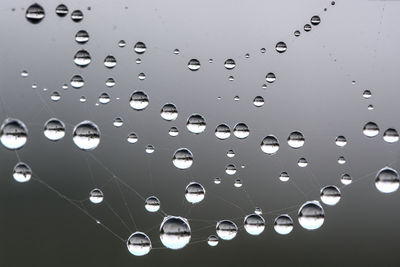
118	216
90	171
38	179
126	204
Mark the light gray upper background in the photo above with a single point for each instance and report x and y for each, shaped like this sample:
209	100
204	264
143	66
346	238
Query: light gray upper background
356	41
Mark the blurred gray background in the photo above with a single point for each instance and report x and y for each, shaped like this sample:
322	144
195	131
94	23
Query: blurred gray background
356	41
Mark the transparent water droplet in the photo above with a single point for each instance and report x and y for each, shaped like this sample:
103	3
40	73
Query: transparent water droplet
231	79
138	61
13	134
77	81
370	107
210	60
35	13
247	55
139	244
226	230
82	37
254	224
175	232
194	192
263	50
296	140
270	78
76	16
149	149
341	160
311	215
110	62
341	141
110	82
217	180
230	153
297	33
121	43
61	10
387	180
86	135
152	204
169	112
330	195
270	145
104	98
229	64
241	130
183	158
315	20
346	179
283	224
194	64
281	47
302	162
139	100
196	124
54	129
55	96
222	131
258	211
82	99
176	52
141	76
391	135
284	177
230	169
118	122
24	74
258	101
82	58
64	86
22	173
96	196
132	138
238	183
173	131
367	94
212	241
140	48
307	27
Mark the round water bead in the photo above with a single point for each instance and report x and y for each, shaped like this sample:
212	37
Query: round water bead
183	158
391	135
226	229
82	58
222	131
283	224
22	172
311	215
104	98
241	130
61	10
230	169
330	195
229	64
194	192
54	129
341	160
254	224
110	82
132	138
35	13
13	134
297	33
284	177
296	140
258	101
55	96
263	50
270	78
96	196
237	183
307	27
217	180
77	81
346	179
169	112
196	124
152	204
24	73
258	211
315	20
371	129
230	153
270	145
139	100
86	135
194	64
139	244
176	51
212	241
367	94
387	180
341	141
121	43
82	37
140	48
149	149
110	62
175	232
118	122
77	15
302	162
173	131
281	47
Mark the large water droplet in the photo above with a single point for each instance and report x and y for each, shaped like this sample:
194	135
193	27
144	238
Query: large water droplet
82	37
226	229
54	129
230	169
367	94
315	20
183	158
281	47
104	98
391	135
387	180
254	224
140	48
152	204
110	62
86	135
61	10
76	16
194	64
82	58
330	195
139	244
296	140
139	100
346	179
283	224
169	112
222	131
196	123
241	130
13	134
22	172
175	232
35	13
270	78
258	101
173	131
311	215
229	64
77	81
371	129
270	145
341	141
212	241
194	192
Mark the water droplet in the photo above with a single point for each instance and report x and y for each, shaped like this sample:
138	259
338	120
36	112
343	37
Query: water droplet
270	145
217	180
212	241
139	100
76	15
96	196
341	141
370	107
141	76
258	101
121	43
226	229
196	124
175	232
140	48
222	131
82	37
149	149
237	183
311	215
110	62
169	112
152	204
22	172
104	98
86	135
391	135
281	47
283	224
24	74
118	122
254	224
82	99
194	192
173	131
54	129
35	13
296	140
297	33
61	10
55	96
330	195
139	244
346	179
210	60
230	169
132	138
230	153
341	160
183	158
194	64
367	94
13	134
307	27
284	177
176	52
247	55
258	211
82	58
229	64
138	61
263	50
315	20
77	81
302	163
241	130
110	82
387	180
270	78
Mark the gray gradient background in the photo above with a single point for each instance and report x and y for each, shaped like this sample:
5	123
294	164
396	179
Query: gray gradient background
313	93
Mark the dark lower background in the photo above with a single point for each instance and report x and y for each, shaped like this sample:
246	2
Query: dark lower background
356	41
